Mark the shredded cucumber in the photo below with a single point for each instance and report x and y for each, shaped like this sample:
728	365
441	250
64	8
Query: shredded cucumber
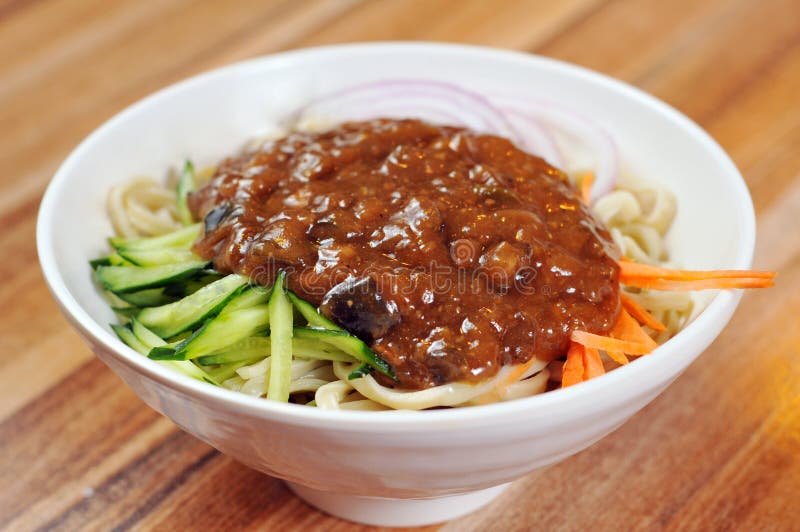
102	261
255	295
182	238
226	371
143	340
347	343
359	372
121	279
206	325
173	318
280	317
186	184
311	315
261	346
126	312
157	257
217	333
126	335
152	297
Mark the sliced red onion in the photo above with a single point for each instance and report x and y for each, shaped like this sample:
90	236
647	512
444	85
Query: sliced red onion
535	138
353	110
528	123
556	118
402	97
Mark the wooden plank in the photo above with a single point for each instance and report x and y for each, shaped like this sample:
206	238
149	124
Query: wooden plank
503	23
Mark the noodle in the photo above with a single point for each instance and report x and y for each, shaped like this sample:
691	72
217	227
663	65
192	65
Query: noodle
142	207
452	394
637	219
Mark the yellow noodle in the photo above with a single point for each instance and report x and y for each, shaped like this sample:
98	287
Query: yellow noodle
451	394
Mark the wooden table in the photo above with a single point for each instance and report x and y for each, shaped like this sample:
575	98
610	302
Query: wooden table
719	450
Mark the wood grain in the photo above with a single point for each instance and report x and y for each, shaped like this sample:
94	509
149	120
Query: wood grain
719	450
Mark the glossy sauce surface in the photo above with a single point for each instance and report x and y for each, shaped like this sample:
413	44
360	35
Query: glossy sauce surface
450	252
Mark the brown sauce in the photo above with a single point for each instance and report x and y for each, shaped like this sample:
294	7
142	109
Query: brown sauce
465	253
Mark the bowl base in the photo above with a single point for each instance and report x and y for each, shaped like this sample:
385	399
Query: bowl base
379	511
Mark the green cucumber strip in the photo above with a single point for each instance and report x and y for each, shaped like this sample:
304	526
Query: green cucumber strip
280	317
312	402
189	286
115	259
249	348
247	324
250	297
151	340
182	238
360	371
173	341
312	315
186	184
102	261
189	369
349	344
305	348
114	301
127	336
145	335
217	333
226	371
260	346
151	297
174	318
126	312
121	279
157	257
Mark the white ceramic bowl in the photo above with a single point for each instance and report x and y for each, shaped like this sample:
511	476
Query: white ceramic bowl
391	468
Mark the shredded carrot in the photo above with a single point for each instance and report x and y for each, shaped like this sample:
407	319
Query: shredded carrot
628	329
637	269
618	357
640	313
704	284
592	364
582	364
608	344
627	337
657	278
574	366
586	187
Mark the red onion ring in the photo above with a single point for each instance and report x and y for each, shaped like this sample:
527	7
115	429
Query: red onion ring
528	123
558	118
535	138
475	110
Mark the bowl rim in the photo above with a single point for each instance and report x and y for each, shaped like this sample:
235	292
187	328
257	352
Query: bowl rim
719	309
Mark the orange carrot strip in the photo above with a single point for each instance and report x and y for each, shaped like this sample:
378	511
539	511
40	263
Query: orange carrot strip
574	366
618	357
586	188
700	284
592	364
640	313
608	344
628	329
635	269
